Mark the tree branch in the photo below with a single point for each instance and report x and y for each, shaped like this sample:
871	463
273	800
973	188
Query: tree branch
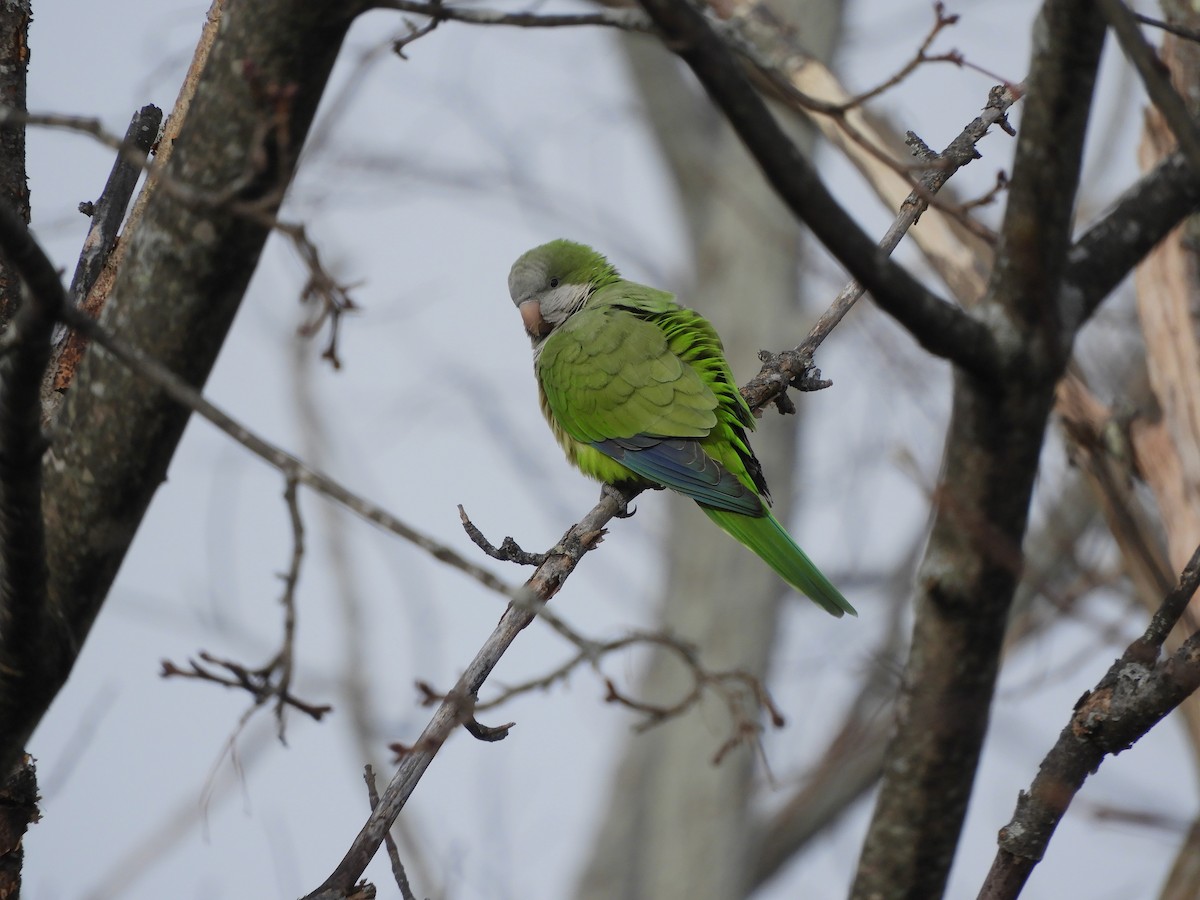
625	19
106	214
1155	77
1133	696
1107	252
942	329
459	702
1036	233
14	184
795	367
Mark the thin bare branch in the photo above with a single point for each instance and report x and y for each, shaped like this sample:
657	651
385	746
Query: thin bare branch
393	851
259	683
290	466
942	329
795	367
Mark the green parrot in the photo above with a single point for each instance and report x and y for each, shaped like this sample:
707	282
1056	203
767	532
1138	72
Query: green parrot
637	391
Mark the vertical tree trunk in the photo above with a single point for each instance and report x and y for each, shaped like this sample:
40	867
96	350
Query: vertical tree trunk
19	791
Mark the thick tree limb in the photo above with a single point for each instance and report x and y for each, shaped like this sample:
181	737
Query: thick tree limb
18	788
1107	252
970	571
180	284
625	19
939	327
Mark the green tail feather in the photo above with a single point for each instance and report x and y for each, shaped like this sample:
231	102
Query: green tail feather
766	537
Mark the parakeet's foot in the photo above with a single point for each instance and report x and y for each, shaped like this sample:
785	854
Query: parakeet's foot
615	493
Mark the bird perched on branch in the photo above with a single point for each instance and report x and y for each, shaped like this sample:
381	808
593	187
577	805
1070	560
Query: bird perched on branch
637	391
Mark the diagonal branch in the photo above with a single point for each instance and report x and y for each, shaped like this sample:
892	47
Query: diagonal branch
794	367
1107	252
1133	696
458	705
942	329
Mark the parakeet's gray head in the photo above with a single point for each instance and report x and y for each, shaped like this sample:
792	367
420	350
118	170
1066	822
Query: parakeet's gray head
554	280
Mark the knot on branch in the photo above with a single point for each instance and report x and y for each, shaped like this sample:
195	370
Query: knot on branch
465	710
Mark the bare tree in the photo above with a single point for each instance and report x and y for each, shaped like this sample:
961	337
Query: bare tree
1009	328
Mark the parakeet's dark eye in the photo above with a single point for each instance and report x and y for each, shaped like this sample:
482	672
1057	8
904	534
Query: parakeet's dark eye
553	282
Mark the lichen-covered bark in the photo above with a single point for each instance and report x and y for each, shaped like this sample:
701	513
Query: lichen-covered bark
188	264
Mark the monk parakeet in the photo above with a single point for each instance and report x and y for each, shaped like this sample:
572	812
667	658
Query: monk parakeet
637	390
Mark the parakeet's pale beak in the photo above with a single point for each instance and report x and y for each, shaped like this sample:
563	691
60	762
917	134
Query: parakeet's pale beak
531	315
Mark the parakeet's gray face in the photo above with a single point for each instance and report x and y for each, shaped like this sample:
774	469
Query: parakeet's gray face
540	291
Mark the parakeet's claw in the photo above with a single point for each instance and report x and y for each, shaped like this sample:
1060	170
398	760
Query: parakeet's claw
624	510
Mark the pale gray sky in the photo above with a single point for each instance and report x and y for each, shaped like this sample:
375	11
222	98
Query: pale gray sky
445	168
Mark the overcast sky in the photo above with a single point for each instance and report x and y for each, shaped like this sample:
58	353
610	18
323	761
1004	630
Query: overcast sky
436	174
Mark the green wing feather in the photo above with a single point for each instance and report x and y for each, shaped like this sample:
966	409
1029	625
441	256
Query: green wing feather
637	388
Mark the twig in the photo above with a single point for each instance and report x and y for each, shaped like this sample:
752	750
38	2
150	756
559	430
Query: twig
729	684
416	32
393	851
941	22
332	297
1190	34
508	551
258	683
183	393
285	661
